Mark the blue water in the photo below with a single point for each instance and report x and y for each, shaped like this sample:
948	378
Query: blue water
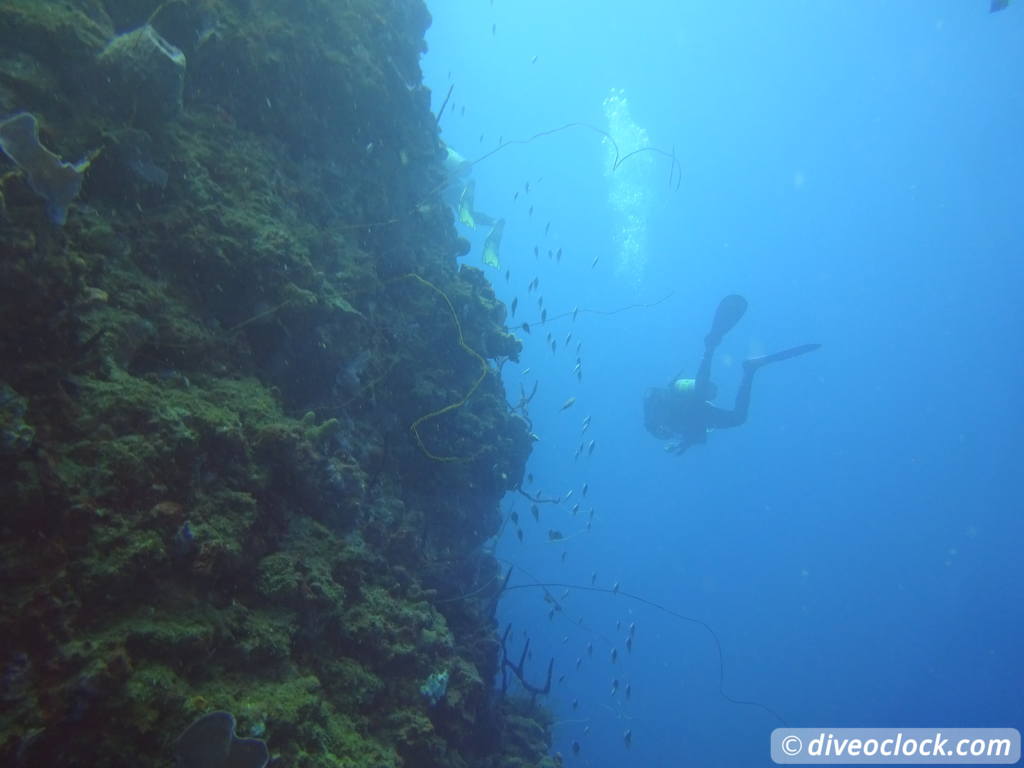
854	170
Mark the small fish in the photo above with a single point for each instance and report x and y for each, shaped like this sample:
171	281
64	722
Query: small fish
508	275
569	404
525	327
629	644
536	252
615	587
535	511
568	495
515	196
615	655
593	578
529	476
554	346
462	111
590	447
632	629
629	690
590	649
533	60
494	29
481	138
575	311
618	625
514	516
627	737
564	555
526	371
584	489
615	687
575	508
540	302
547	227
501	140
519	533
591	514
576	702
527	187
513	305
530	212
594	262
554	535
558	255
579	663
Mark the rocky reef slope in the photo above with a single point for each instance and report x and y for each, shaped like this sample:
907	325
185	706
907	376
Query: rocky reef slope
252	436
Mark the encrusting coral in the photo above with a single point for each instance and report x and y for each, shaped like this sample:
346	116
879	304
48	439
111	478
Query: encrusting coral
212	496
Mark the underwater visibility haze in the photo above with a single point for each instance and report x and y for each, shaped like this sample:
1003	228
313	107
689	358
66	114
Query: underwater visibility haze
490	383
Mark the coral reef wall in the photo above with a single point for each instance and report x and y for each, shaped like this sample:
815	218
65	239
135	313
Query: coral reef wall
239	466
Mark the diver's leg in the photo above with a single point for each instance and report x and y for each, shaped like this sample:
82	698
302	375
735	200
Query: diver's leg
719	418
722	419
728	313
702	382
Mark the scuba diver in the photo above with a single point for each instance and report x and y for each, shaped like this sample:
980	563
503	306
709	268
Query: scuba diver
682	411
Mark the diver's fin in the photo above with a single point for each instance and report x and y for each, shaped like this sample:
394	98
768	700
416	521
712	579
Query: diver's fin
730	310
466	205
493	243
786	354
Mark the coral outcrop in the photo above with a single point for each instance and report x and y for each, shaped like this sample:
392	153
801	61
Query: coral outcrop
212	496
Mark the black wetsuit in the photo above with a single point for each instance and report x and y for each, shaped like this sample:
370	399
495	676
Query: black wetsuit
688	415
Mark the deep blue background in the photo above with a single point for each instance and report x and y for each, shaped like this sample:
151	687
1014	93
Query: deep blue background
855	170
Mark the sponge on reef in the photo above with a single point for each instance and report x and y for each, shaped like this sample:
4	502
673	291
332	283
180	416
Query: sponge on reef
144	77
211	742
54	180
